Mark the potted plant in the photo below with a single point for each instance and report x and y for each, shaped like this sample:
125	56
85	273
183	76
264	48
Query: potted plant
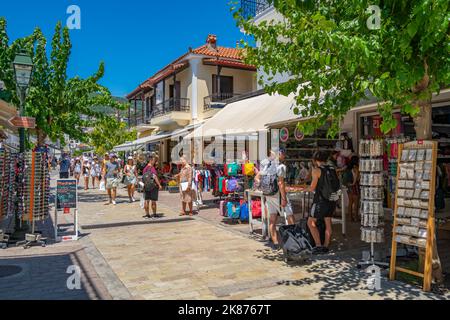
173	187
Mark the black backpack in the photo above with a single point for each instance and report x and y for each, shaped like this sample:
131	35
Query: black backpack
149	181
331	187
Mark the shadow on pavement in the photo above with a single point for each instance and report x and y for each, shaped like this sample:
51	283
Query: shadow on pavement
47	277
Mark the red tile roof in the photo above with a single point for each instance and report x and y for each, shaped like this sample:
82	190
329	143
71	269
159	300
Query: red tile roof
228	57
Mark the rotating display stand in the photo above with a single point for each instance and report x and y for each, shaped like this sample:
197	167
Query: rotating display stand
372	196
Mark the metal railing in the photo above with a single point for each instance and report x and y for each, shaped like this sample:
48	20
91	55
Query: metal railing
171	105
218	100
252	8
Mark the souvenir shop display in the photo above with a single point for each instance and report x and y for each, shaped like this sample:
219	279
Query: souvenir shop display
372	195
392	153
229	185
36	187
7	183
414	217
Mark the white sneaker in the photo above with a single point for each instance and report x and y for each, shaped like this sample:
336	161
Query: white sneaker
114	202
133	199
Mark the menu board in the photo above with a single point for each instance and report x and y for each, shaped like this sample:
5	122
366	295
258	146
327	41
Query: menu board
66	194
414	218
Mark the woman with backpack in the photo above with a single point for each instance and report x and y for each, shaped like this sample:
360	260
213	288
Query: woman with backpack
325	184
350	179
151	188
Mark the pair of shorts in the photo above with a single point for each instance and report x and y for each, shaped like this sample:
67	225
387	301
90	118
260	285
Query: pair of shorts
112	183
151	195
274	206
64	175
323	210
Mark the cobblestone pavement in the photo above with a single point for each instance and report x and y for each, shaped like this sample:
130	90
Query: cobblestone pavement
198	259
123	256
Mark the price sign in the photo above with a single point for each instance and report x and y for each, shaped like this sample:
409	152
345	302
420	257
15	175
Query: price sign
66	194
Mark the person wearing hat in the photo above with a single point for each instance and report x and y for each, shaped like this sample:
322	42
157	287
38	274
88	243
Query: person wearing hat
96	171
130	171
77	170
111	173
276	204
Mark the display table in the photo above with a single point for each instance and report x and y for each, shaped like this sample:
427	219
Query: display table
292	194
264	221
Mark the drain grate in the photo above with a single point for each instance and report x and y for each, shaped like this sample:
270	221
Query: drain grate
8	271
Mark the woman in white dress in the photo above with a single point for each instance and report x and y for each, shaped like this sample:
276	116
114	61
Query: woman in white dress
96	171
130	171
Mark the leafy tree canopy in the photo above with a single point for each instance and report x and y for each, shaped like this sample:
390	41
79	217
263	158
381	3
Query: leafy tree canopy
335	60
61	105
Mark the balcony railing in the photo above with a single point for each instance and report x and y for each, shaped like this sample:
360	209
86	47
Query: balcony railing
218	100
171	105
252	8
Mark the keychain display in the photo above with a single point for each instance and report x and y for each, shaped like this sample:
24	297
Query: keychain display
371	148
371	165
372	179
372	191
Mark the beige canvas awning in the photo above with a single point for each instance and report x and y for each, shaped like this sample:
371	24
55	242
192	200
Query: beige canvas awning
245	116
7	111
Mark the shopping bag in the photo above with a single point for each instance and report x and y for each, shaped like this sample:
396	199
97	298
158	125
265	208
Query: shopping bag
102	186
142	202
184	186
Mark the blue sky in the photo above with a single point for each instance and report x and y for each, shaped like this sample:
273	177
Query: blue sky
134	38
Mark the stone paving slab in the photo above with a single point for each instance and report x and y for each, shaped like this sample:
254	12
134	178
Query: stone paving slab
194	260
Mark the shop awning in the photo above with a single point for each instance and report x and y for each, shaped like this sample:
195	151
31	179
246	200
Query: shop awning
7	111
140	143
245	116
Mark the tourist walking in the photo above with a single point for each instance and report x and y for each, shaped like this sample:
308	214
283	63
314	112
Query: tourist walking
86	173
152	186
77	170
96	172
187	194
273	172
111	173
64	167
130	172
324	182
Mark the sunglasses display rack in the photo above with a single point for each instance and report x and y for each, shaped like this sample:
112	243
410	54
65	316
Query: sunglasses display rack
414	221
7	183
372	195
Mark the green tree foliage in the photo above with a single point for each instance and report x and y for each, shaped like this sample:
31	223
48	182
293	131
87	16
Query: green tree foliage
61	105
335	60
109	133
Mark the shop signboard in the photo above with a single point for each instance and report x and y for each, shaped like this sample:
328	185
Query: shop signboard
284	135
66	199
66	194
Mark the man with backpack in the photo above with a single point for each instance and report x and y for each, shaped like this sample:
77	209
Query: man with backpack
152	186
271	180
325	183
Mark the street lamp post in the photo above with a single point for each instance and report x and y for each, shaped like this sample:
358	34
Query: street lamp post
23	71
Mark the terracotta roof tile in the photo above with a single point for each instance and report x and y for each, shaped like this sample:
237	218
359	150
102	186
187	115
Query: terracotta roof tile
228	57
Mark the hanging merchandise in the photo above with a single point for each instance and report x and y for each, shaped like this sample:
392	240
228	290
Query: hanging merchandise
414	217
7	183
372	195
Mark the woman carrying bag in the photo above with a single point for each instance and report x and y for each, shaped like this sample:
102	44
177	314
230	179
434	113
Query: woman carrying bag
130	180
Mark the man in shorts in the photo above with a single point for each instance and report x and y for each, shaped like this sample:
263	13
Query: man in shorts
111	172
278	203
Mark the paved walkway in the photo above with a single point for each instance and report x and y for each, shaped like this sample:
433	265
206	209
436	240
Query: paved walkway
124	256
